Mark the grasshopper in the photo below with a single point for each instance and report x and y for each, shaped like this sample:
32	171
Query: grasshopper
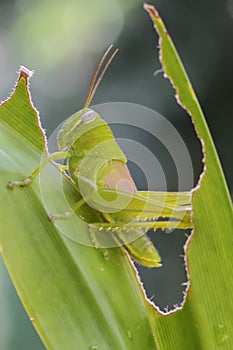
96	162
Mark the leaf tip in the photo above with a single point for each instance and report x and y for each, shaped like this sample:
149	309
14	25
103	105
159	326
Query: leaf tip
151	10
25	72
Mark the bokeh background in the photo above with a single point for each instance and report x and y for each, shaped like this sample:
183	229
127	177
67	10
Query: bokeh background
63	41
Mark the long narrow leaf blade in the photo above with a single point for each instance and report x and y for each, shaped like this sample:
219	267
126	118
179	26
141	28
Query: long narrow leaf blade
206	321
75	298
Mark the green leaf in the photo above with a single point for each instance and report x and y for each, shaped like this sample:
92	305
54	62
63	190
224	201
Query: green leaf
75	298
206	321
73	295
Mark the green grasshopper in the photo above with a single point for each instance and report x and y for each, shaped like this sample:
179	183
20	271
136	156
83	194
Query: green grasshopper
96	163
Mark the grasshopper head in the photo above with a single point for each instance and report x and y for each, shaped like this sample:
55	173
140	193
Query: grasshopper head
75	126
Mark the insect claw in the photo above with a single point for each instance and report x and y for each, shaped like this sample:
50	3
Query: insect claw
51	218
11	185
105	254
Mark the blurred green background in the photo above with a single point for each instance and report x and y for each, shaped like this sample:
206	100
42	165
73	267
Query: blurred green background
63	41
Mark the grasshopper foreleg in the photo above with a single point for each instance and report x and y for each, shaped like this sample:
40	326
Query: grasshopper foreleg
23	183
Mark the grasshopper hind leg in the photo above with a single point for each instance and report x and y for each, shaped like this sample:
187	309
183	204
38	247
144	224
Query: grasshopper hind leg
95	243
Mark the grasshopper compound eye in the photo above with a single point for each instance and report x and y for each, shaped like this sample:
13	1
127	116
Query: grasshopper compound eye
89	116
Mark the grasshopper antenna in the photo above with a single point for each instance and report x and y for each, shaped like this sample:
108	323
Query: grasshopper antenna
94	84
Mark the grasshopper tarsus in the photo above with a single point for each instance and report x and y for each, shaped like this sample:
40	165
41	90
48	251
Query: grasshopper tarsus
13	184
64	216
67	214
